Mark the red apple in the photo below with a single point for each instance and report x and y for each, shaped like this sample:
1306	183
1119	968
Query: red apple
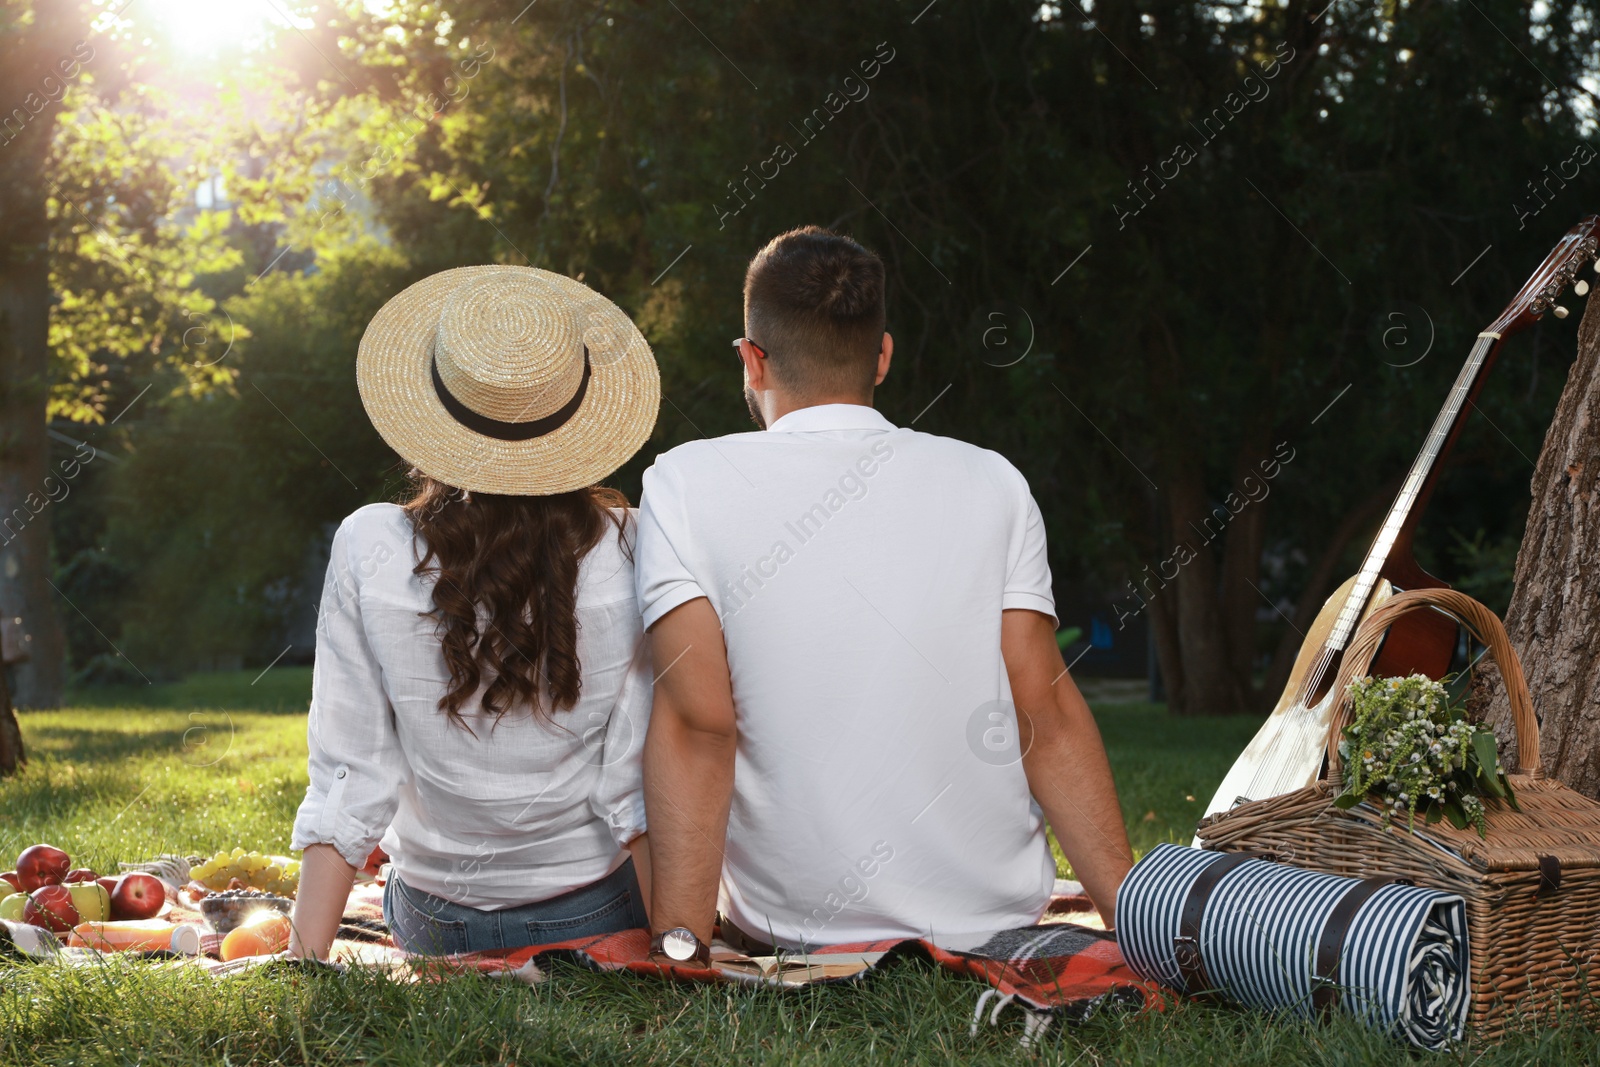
81	874
109	884
51	907
42	865
137	896
13	879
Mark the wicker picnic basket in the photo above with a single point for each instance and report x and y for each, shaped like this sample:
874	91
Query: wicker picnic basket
1532	886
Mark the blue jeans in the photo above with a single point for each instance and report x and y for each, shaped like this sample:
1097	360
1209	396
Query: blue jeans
423	923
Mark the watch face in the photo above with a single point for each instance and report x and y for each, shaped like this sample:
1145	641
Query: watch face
679	944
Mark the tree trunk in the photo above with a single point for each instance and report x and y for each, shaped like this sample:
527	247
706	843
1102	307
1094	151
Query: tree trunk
12	756
1185	583
1556	598
1169	661
24	463
1183	591
25	594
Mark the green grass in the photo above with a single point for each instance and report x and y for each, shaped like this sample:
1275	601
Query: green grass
214	762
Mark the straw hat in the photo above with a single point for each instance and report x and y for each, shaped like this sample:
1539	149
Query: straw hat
508	380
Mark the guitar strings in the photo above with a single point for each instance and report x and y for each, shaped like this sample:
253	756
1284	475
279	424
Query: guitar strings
1270	773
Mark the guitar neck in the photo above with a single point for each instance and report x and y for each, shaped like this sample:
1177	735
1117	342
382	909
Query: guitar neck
1417	482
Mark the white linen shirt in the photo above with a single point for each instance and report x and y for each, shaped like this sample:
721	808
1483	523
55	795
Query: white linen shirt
513	812
860	571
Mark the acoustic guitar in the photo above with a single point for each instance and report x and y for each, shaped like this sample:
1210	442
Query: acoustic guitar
1286	754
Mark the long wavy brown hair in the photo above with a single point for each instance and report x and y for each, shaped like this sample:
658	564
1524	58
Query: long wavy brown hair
515	560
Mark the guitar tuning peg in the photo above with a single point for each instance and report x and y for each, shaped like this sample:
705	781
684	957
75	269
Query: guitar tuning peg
1581	288
1597	266
1560	311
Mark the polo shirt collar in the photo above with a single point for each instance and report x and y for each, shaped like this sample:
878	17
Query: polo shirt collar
831	417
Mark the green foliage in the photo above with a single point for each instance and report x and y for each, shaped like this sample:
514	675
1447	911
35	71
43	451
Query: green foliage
124	268
1408	748
1486	568
227	501
98	162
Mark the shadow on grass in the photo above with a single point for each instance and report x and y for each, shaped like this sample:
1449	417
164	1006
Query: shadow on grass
100	745
280	690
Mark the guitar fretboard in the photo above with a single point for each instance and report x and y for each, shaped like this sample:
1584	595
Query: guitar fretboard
1344	628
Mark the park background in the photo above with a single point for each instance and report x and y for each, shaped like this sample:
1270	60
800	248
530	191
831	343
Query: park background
1142	250
1203	271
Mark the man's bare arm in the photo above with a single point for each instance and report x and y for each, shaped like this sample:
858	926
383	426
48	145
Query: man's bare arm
688	767
1064	758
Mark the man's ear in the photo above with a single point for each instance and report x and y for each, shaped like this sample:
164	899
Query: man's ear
755	368
884	355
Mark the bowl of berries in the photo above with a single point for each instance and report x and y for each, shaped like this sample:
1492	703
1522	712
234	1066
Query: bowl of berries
232	908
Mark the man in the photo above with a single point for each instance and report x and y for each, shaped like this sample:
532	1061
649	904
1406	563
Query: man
861	713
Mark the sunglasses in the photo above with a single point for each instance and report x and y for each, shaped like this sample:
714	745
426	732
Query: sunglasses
746	341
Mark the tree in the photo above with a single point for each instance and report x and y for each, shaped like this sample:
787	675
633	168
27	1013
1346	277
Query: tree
33	38
92	268
1556	598
12	754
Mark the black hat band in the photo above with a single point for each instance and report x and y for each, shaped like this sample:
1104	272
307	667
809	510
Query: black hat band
510	431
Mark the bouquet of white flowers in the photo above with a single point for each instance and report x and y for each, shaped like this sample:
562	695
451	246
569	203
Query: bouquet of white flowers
1411	750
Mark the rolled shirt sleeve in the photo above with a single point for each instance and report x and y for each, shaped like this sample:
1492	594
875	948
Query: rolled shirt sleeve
1028	568
356	764
618	794
660	569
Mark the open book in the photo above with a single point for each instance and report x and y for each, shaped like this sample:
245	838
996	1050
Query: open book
796	969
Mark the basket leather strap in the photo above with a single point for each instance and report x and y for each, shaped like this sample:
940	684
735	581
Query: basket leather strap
1325	978
1186	946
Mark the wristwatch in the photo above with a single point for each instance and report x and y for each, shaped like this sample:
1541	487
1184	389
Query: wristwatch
681	946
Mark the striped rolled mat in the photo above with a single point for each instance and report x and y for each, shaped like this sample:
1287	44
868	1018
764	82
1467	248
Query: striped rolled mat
1267	935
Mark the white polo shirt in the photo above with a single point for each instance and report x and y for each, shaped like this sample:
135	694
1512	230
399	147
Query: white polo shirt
859	571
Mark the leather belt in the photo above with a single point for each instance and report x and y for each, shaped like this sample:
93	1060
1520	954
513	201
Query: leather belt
1186	946
1325	984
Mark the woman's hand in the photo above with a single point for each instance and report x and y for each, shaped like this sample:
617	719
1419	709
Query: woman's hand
325	881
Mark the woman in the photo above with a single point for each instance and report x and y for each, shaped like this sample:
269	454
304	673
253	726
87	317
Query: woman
482	686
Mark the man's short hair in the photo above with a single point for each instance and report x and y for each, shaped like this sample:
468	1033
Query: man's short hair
813	301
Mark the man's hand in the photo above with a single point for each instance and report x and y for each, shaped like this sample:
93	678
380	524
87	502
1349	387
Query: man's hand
1064	759
688	767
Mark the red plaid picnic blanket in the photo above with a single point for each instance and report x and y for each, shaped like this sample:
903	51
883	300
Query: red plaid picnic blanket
1068	971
